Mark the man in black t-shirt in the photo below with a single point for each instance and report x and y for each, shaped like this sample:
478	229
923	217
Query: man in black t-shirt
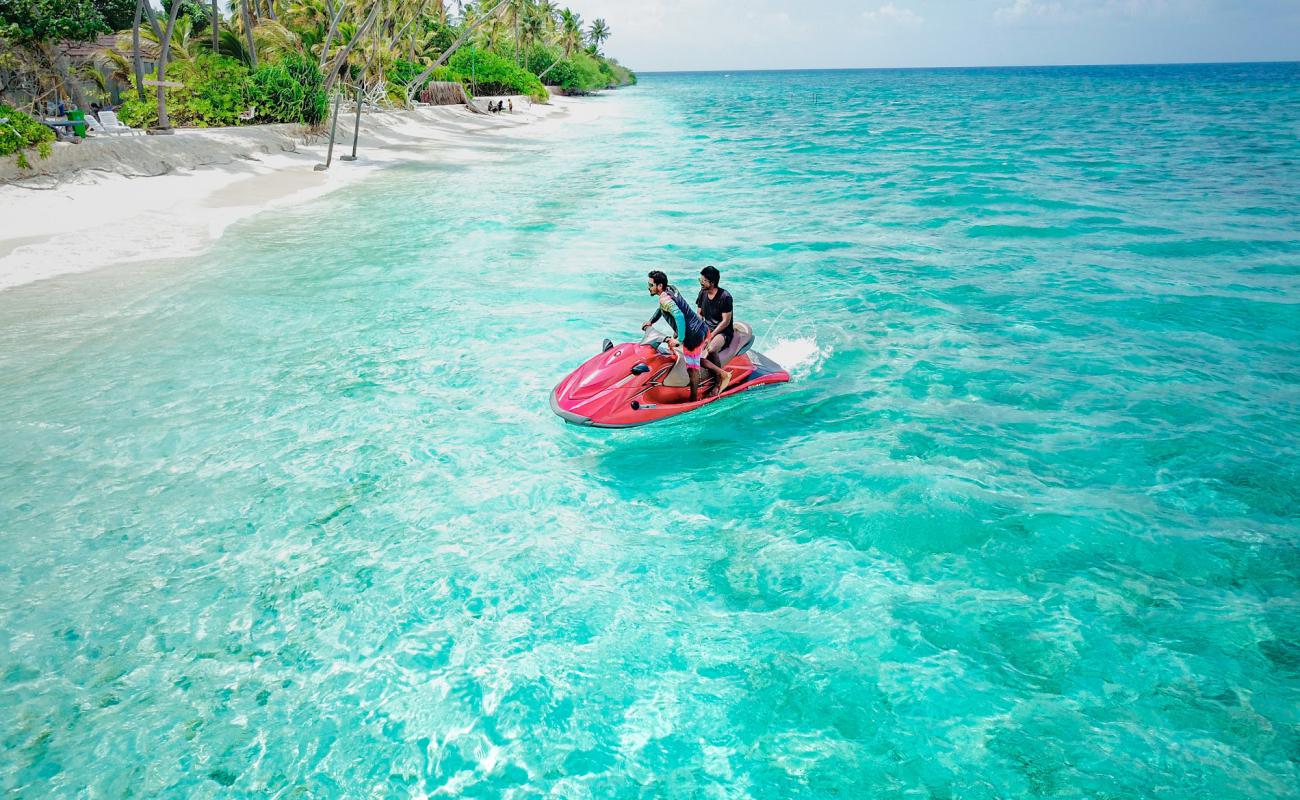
715	308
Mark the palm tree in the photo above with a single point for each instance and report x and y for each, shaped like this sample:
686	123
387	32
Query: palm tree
598	34
164	124
534	28
548	12
570	31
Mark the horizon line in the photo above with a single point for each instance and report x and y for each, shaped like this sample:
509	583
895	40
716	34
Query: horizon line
970	66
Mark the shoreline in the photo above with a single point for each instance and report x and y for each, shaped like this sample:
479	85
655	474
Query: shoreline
123	199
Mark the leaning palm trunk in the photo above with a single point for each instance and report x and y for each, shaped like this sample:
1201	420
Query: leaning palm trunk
248	32
335	16
419	13
153	21
342	57
412	87
137	63
163	122
548	69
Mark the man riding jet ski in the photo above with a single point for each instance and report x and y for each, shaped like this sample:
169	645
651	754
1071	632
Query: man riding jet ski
640	382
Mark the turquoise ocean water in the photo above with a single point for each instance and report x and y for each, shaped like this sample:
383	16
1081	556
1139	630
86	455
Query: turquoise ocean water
293	519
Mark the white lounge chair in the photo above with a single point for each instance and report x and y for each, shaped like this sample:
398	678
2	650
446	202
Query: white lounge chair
95	126
113	125
248	113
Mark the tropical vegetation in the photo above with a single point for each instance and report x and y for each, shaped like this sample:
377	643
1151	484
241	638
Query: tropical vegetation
20	133
189	64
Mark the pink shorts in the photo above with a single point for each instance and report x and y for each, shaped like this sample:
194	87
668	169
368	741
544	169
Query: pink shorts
693	356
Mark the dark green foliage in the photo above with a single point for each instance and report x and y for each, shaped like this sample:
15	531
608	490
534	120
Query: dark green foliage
563	75
119	15
401	72
20	132
278	96
581	72
27	22
315	103
443	35
486	73
215	93
586	75
539	58
198	12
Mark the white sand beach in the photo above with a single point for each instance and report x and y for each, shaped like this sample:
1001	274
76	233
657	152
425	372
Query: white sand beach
116	199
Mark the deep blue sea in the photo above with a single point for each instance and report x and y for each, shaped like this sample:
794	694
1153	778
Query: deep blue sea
293	519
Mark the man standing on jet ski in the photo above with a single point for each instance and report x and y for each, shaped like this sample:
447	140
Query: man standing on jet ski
690	329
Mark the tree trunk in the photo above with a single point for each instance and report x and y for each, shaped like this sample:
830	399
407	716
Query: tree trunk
165	51
216	28
342	57
398	36
329	35
137	62
153	21
442	59
248	32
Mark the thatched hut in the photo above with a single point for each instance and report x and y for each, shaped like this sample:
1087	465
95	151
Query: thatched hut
443	93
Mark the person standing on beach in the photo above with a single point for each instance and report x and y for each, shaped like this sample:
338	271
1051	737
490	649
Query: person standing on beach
690	329
714	305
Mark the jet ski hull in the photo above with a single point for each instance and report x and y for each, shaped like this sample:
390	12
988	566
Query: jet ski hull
607	392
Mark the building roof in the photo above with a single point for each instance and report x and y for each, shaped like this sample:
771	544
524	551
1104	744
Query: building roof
84	51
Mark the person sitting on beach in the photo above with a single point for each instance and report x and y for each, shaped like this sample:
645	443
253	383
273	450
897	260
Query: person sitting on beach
715	308
690	330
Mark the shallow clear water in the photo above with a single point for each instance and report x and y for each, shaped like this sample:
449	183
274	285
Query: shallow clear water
293	519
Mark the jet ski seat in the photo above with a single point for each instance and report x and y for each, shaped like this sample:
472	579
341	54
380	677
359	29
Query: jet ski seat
742	338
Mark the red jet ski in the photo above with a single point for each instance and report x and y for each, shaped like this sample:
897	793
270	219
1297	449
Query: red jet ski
635	383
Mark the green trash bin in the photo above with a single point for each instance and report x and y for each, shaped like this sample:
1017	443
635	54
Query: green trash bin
79	116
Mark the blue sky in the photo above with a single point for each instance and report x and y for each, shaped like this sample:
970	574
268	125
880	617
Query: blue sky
766	34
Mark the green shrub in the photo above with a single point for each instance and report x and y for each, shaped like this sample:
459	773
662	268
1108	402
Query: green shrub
586	73
278	96
563	75
400	73
22	132
539	58
218	89
214	92
315	103
485	72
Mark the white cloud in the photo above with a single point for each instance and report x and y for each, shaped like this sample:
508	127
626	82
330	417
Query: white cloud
1022	10
1075	10
890	15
